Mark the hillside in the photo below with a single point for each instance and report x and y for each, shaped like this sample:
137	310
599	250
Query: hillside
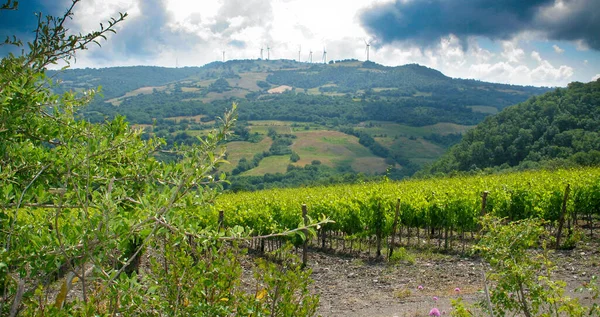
392	117
347	91
561	127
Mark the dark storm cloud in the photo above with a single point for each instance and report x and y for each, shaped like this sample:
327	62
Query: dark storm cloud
23	22
424	22
579	20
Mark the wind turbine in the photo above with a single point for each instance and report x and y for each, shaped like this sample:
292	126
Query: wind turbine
268	52
299	51
223	56
367	49
261	53
310	56
324	56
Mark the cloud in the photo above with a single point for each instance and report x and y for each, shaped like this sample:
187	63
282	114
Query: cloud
557	49
511	52
571	20
146	34
23	21
424	22
596	77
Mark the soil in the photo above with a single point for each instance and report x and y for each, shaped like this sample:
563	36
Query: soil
357	286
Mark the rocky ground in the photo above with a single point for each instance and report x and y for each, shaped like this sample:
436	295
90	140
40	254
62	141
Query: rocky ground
357	286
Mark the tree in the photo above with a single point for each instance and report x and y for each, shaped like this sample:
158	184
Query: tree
82	202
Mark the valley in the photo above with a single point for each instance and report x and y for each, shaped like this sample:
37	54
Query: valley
349	116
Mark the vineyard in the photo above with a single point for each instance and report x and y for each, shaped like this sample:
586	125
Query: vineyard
444	210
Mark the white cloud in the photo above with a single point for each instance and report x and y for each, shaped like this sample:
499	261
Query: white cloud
481	55
596	77
557	49
546	73
512	52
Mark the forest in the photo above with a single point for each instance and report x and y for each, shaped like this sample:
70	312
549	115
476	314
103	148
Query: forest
559	128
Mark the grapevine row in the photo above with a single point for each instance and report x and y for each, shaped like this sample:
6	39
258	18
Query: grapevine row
436	205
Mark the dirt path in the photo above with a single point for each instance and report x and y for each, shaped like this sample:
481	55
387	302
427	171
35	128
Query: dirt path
351	286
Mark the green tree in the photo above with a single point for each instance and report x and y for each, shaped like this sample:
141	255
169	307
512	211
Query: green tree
82	203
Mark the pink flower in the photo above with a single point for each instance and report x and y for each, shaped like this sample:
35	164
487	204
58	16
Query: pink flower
435	298
420	287
457	290
434	312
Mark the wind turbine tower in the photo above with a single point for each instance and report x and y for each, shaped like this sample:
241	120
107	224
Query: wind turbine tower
268	53
261	53
310	56
223	56
324	56
367	49
299	51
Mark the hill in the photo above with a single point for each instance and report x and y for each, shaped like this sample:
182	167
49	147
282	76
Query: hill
393	117
561	127
349	91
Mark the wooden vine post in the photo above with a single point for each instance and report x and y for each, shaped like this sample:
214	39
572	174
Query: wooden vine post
221	219
483	205
394	226
561	219
378	231
305	246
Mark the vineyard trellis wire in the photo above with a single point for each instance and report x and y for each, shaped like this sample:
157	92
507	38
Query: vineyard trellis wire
430	211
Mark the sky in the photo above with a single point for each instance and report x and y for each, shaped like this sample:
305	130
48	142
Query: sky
532	42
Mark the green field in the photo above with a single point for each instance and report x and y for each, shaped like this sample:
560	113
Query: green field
484	109
238	149
272	164
334	148
248	81
392	129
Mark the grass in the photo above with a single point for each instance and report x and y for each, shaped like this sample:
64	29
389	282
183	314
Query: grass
422	94
212	96
420	150
190	118
379	89
190	89
248	81
392	129
335	149
140	91
238	149
271	164
484	109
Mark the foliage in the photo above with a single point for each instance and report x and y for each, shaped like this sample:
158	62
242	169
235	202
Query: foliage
89	206
442	204
283	289
522	272
558	128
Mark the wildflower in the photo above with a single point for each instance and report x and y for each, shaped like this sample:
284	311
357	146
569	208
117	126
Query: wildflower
434	312
420	287
435	298
457	290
